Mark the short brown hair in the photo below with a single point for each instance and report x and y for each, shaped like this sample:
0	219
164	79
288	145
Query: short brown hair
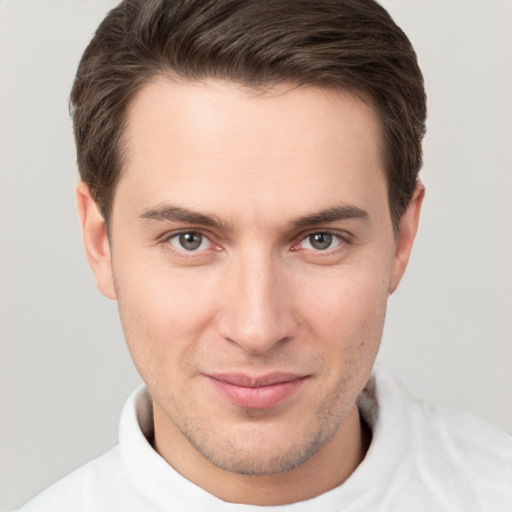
347	44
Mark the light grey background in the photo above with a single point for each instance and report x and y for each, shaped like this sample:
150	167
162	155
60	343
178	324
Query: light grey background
64	369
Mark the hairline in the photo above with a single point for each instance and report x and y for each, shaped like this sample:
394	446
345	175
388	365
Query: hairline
167	74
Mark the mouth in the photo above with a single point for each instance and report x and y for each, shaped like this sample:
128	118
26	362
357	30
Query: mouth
256	392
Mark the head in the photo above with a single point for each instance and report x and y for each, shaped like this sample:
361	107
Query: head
257	169
350	45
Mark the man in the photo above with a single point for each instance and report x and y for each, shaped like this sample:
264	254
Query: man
250	198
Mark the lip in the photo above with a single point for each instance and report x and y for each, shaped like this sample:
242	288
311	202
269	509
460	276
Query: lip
256	392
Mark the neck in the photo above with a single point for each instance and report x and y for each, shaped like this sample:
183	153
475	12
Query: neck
329	467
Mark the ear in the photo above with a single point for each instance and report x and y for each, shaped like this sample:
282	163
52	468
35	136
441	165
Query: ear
97	248
405	236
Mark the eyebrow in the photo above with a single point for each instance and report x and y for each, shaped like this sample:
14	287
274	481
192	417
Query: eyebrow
178	214
169	213
337	213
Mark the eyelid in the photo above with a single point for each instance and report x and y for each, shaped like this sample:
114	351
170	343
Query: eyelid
166	240
344	239
181	231
204	242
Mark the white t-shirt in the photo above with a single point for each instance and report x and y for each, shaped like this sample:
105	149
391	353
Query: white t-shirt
421	458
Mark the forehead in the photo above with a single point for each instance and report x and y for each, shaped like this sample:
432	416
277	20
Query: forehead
198	142
208	109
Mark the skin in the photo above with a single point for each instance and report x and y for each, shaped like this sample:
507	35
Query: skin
254	176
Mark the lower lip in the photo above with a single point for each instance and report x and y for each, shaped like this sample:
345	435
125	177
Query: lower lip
263	397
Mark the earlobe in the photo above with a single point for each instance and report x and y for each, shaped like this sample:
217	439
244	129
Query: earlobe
405	236
96	243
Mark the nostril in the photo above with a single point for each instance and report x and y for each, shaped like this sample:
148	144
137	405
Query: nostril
259	346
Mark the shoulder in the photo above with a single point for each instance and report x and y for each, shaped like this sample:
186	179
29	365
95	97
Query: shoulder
100	485
470	454
460	461
461	437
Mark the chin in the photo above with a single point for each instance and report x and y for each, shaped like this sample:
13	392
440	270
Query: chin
264	451
260	461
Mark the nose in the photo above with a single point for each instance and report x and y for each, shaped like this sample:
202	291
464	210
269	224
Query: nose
257	312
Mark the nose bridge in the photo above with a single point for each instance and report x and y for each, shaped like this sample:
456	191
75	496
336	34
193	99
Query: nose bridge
257	314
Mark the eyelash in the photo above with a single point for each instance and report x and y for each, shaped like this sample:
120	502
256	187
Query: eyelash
181	251
333	238
341	243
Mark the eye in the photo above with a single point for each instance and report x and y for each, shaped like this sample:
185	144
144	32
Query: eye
189	241
320	241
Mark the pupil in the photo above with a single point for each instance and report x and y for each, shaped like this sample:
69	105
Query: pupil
321	241
190	241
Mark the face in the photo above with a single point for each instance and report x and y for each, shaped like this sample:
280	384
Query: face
252	254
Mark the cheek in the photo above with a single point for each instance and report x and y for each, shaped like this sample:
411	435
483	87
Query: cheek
163	313
350	301
346	318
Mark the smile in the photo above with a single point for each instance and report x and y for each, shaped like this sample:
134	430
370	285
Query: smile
261	392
